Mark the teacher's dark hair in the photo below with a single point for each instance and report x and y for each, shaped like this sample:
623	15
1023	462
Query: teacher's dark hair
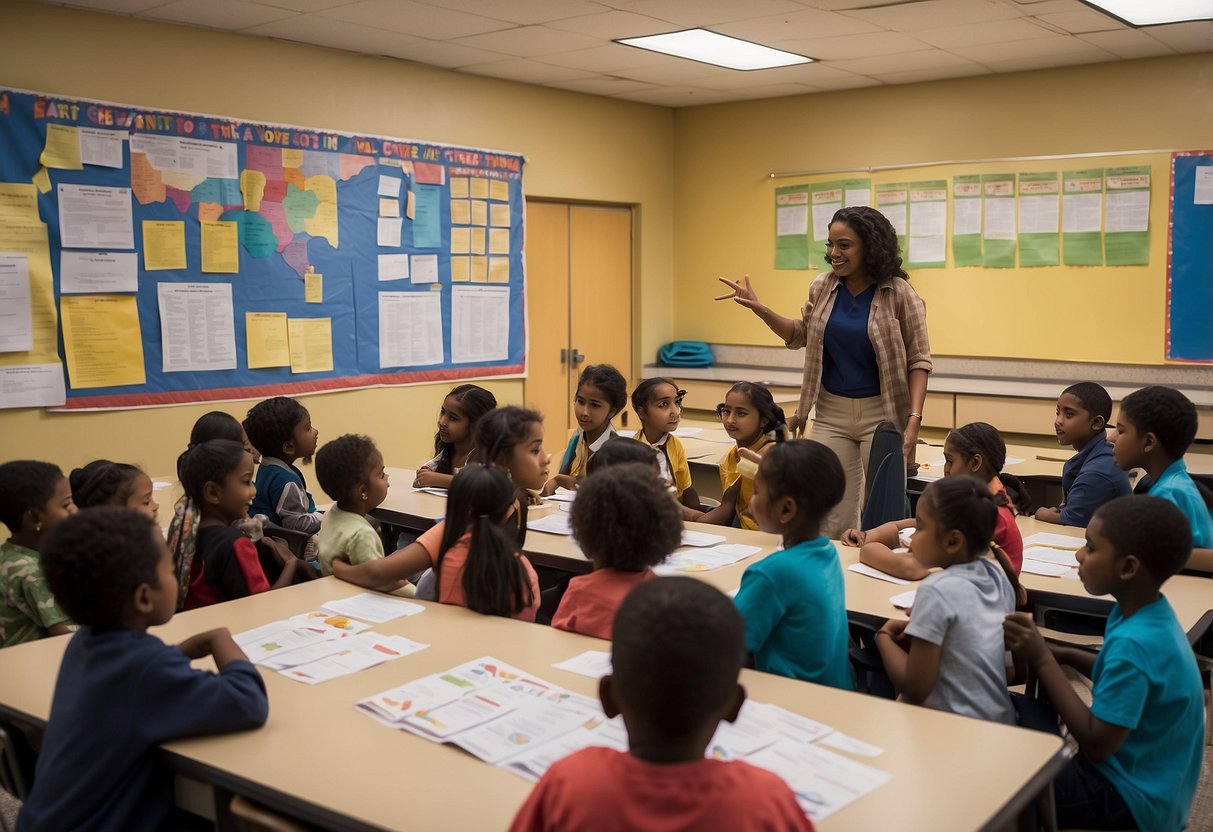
881	256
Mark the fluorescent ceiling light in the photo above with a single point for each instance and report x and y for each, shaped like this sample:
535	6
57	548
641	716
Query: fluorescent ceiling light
1155	12
718	50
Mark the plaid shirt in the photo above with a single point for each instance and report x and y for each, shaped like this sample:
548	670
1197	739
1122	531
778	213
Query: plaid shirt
897	327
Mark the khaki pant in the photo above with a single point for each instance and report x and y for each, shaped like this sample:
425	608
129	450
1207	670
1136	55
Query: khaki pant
846	427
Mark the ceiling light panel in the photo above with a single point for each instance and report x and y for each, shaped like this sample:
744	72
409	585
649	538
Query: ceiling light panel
716	49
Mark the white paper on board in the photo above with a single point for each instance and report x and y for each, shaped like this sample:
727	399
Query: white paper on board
98	272
197	327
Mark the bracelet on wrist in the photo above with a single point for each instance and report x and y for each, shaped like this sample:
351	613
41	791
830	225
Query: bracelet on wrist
915	415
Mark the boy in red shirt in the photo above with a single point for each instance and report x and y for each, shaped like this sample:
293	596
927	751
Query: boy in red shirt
679	645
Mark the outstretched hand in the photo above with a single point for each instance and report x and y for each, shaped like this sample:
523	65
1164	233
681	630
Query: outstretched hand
744	295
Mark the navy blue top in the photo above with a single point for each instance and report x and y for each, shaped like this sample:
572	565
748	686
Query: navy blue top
848	366
1089	479
120	693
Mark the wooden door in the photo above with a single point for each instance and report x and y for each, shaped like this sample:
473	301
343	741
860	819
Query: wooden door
579	301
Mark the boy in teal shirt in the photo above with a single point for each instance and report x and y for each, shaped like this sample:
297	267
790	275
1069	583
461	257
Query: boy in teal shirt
1141	740
1154	429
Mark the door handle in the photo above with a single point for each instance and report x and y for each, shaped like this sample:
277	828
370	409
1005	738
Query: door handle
564	356
577	357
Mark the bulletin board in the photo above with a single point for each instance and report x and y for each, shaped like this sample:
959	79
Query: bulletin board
1190	258
172	257
1050	258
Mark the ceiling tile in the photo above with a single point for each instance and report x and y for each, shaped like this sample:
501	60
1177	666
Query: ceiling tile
807	23
323	31
526	13
976	34
419	19
675	72
114	6
849	81
1128	43
228	15
852	46
840	5
529	41
928	14
1047	49
604	85
613	24
528	71
705	12
939	73
445	54
305	5
1081	21
678	96
609	58
803	74
779	90
905	62
1185	37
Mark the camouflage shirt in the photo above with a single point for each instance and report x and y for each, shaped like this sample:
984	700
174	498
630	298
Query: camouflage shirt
27	608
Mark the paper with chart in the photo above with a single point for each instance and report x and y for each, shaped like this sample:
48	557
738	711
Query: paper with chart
410	329
706	559
353	654
196	326
1127	216
1038	219
998	220
524	724
480	323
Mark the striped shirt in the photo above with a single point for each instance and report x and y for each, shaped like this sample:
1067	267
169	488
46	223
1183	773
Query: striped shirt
897	327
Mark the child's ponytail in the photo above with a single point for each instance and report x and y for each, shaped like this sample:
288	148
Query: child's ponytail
494	581
984	439
773	423
964	503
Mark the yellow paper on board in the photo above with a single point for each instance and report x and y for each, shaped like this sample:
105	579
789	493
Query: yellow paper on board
220	247
62	148
461	270
311	341
478	238
479	188
459	187
29	237
499	189
480	212
389	207
461	212
480	269
19	202
42	181
266	338
410	206
163	245
499	241
461	240
252	186
313	287
102	341
499	215
499	270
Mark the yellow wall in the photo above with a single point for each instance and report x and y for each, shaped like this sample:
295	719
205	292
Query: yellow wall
578	147
725	215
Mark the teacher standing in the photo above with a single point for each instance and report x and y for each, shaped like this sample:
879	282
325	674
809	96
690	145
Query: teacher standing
867	356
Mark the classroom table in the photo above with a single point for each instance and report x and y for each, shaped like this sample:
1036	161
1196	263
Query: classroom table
414	510
322	761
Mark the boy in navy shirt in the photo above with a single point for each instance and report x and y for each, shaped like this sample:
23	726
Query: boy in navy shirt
281	430
1090	478
1141	740
121	692
1154	429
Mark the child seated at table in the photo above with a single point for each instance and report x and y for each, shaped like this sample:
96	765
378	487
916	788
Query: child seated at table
1140	743
976	449
625	522
455	441
350	470
792	601
281	430
105	483
950	654
676	655
602	392
751	418
658	405
1090	478
34	498
1154	429
121	691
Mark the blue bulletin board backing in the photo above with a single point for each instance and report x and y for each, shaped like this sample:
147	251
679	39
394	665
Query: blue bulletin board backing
1190	258
302	201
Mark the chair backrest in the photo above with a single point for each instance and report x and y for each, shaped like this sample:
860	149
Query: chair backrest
296	541
885	481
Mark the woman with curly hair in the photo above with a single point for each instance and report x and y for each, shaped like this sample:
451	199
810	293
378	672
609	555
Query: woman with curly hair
864	330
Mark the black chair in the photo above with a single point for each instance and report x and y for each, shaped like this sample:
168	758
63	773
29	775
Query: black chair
885	482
